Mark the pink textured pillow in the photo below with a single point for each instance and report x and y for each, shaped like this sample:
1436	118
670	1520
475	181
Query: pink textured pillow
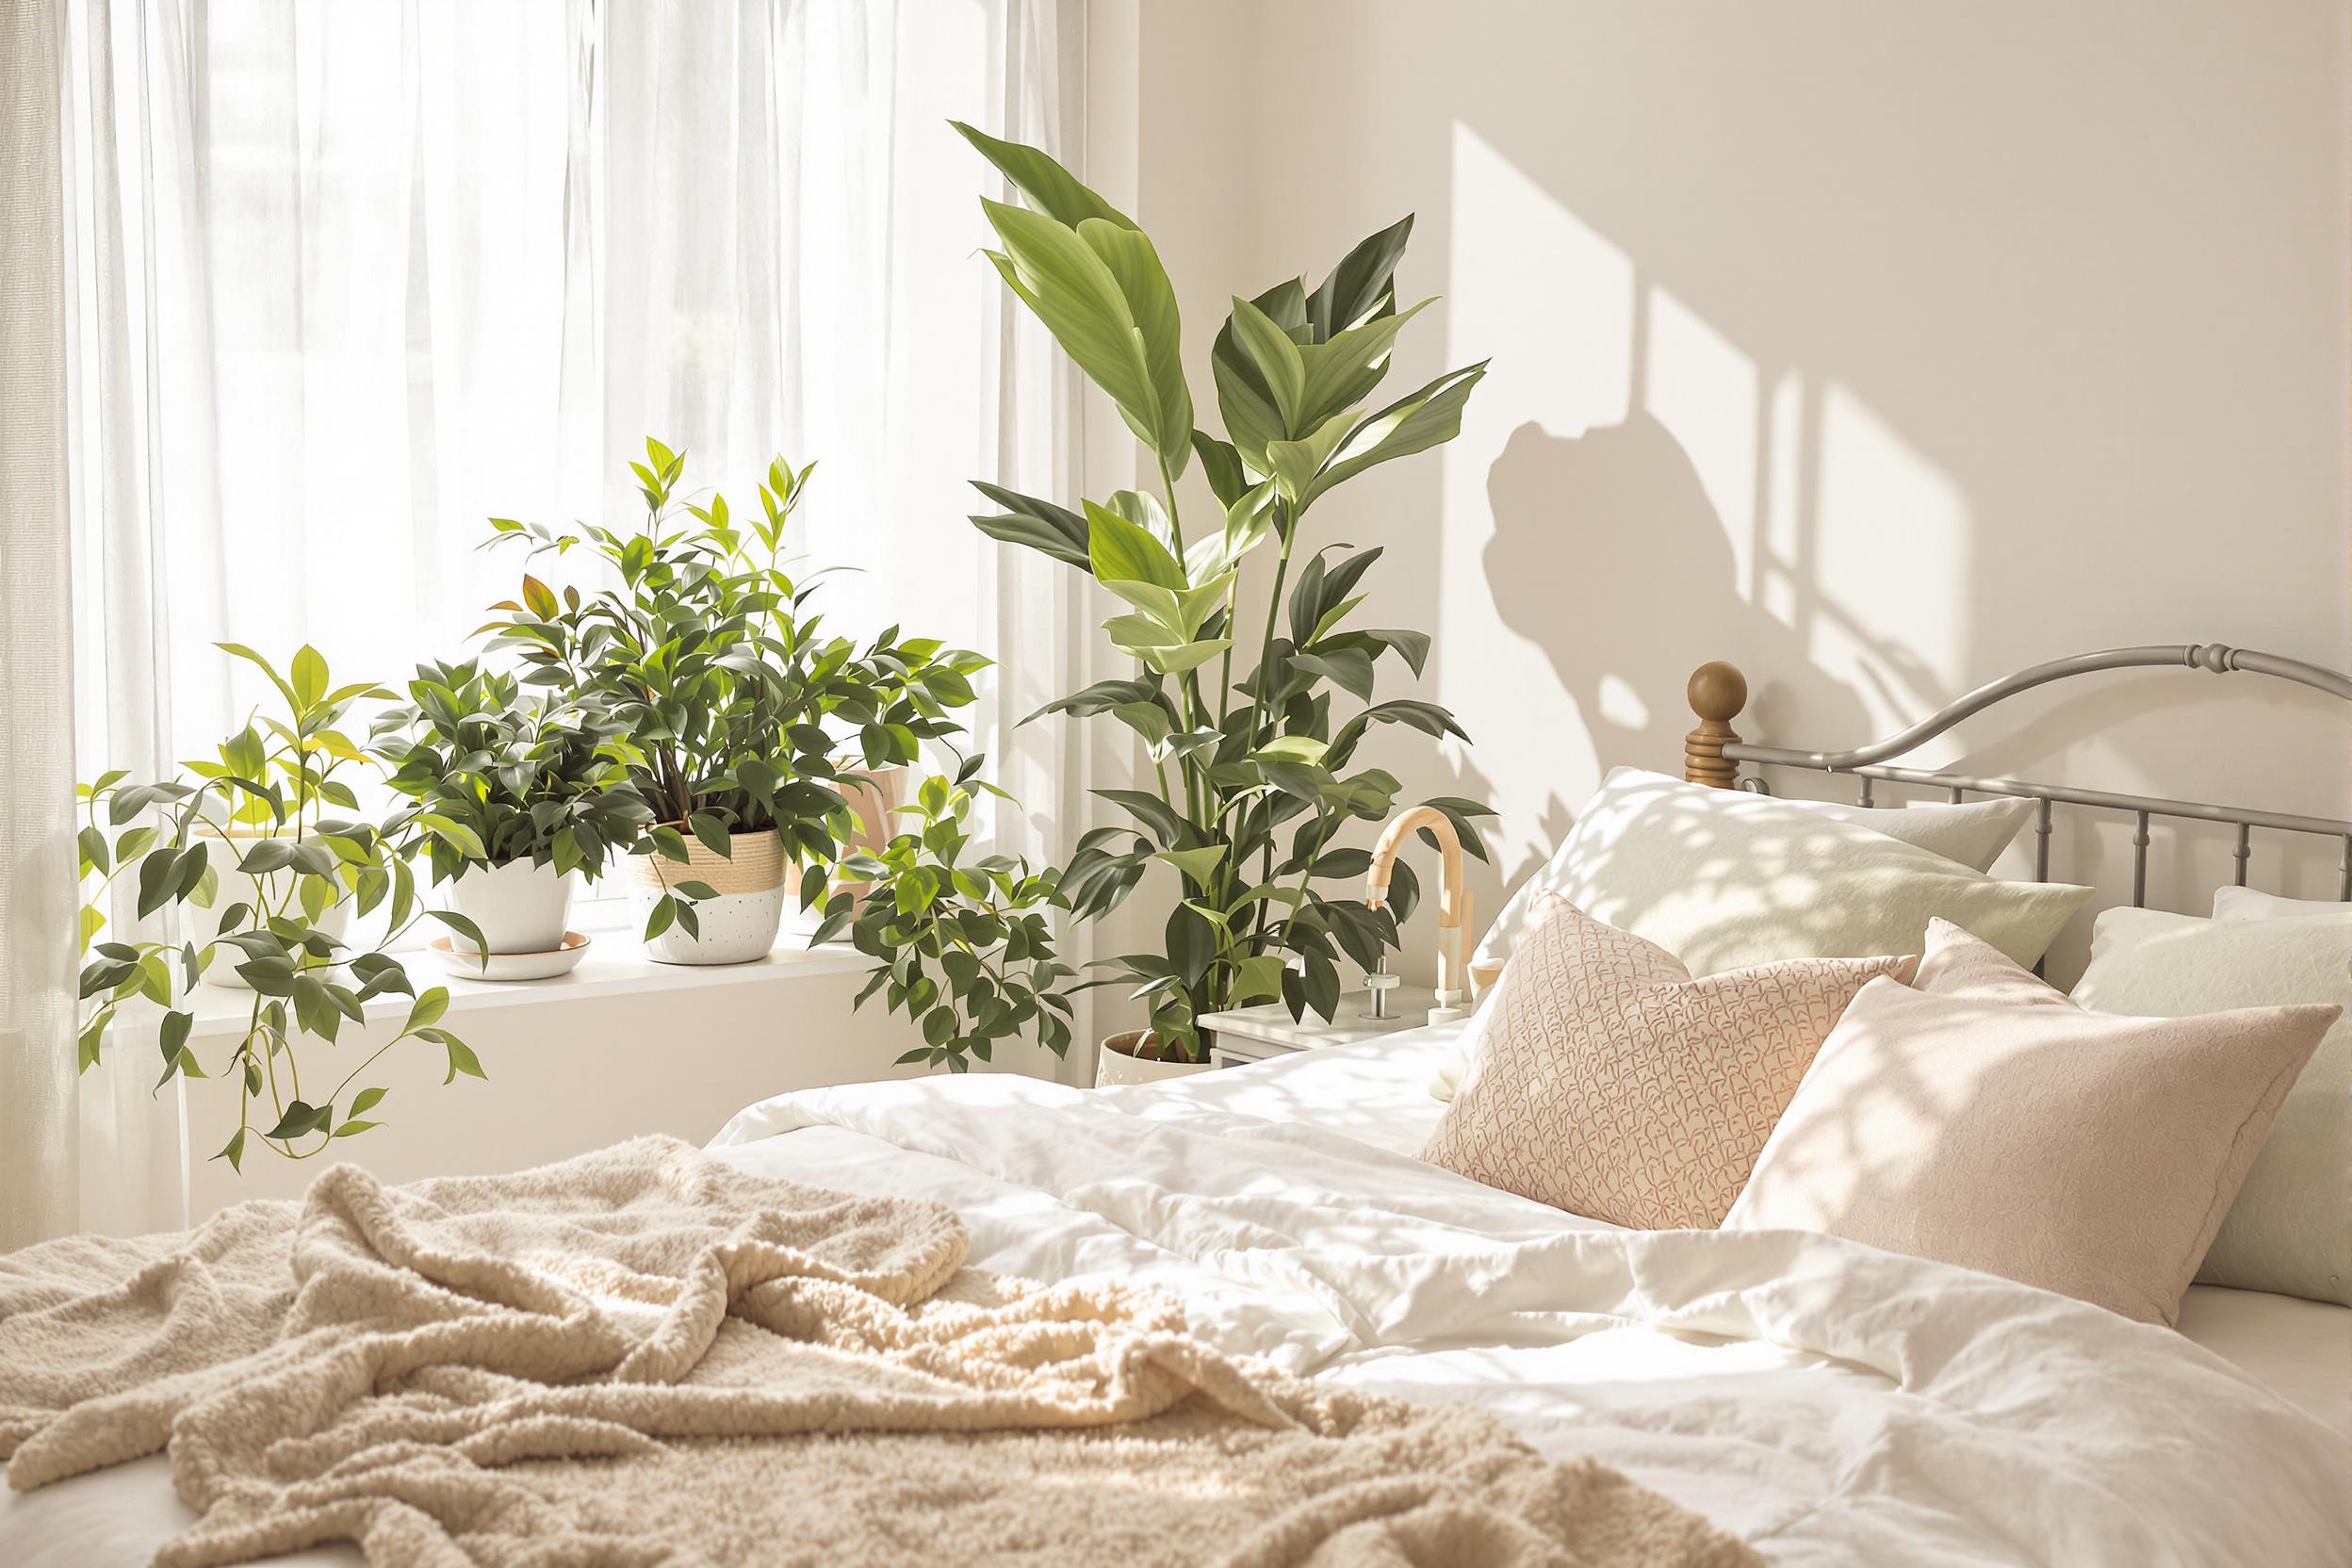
1610	1083
1984	1120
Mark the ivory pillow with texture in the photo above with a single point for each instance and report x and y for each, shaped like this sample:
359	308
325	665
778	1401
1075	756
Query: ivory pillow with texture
1982	1118
1723	880
2247	904
2290	1229
1606	1080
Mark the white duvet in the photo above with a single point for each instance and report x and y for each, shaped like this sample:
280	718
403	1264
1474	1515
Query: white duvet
1832	1403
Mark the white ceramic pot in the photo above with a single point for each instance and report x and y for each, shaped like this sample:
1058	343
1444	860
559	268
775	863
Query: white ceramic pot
270	889
1115	1063
754	884
518	907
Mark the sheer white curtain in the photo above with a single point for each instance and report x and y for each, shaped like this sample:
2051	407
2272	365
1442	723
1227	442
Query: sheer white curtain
37	1150
344	279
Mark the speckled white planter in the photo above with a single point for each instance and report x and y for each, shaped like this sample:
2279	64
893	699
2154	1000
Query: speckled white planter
754	885
1114	1066
269	889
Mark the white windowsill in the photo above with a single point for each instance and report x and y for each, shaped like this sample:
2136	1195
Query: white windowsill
616	965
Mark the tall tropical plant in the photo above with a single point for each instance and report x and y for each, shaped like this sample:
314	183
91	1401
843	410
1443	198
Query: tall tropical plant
1256	771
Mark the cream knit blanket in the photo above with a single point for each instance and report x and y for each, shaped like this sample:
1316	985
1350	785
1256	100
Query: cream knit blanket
644	1356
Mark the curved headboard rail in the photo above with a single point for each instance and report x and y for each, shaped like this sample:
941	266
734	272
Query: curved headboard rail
2218	658
1713	752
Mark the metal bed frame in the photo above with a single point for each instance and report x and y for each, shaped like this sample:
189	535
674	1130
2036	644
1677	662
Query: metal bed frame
1713	752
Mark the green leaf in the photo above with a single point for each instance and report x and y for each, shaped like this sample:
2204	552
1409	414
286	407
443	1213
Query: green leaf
1048	186
1348	668
1297	463
1147	719
1292	748
365	1101
1151	305
1221	465
711	830
428	1009
1257	978
1276	361
465	927
1196	863
1362	284
1342	372
1427	418
462	1059
1081	301
309	673
1040	525
1119	551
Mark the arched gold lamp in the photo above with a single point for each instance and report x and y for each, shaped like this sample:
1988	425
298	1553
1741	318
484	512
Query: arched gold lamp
1453	907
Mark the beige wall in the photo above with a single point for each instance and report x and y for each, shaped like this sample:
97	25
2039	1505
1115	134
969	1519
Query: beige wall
1881	349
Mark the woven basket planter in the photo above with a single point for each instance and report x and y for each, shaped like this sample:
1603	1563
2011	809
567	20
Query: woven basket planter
755	885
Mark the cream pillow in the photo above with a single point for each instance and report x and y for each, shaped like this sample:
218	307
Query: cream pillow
2246	903
1723	880
1983	1120
1606	1080
2290	1229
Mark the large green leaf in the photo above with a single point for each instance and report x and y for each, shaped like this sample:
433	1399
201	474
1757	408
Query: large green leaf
1427	418
1038	524
1151	305
1074	292
1119	551
1343	371
1181	611
1361	285
1050	188
1275	358
1248	520
1297	463
1243	397
1222	464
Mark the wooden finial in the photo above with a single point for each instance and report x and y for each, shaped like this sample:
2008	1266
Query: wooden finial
1717	692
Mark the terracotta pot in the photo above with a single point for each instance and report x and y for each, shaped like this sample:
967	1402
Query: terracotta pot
755	885
1115	1063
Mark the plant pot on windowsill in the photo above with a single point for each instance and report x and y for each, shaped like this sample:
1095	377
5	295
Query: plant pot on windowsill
755	884
1121	1061
269	889
518	907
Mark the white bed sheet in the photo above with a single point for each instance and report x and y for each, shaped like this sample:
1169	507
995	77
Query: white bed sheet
1831	1403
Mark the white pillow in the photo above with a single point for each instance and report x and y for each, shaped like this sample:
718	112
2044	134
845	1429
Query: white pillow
1723	880
2246	903
2290	1230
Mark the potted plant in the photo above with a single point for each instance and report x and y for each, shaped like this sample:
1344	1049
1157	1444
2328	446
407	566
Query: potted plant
962	947
1254	767
263	883
707	658
516	796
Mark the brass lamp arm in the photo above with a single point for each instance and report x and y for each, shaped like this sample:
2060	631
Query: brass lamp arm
1453	901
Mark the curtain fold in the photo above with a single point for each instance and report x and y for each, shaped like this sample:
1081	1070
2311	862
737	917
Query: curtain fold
341	282
38	1152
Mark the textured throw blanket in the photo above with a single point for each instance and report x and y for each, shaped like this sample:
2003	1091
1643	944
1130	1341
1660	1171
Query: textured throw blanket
645	1357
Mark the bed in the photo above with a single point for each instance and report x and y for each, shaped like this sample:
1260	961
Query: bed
1826	1401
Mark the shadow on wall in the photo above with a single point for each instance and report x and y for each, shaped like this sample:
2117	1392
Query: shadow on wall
1651	556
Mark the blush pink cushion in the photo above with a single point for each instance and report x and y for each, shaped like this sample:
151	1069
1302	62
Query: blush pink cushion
1609	1082
1984	1120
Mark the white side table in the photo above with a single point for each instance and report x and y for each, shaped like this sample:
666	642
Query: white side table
1247	1035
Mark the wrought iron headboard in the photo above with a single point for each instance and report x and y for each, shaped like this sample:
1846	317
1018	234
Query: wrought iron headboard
1713	752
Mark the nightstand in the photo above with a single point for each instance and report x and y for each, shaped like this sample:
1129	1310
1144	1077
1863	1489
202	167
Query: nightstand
1247	1035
